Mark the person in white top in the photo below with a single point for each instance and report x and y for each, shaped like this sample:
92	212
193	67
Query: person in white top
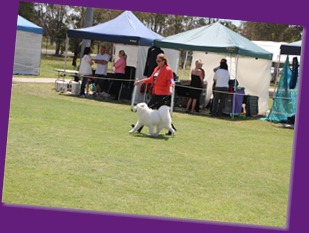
221	80
85	69
101	59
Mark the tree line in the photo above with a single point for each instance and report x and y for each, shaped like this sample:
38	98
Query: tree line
57	19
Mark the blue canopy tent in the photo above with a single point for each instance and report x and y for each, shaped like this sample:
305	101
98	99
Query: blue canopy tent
127	33
124	29
293	48
28	45
27	26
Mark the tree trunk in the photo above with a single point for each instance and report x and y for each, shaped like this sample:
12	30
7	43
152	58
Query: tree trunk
57	48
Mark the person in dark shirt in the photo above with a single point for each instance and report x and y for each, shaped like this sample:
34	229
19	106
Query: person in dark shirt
197	82
151	62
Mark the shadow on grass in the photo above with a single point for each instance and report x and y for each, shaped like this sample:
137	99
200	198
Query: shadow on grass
237	118
225	117
160	136
98	99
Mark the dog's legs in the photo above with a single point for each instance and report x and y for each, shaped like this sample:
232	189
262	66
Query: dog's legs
136	127
140	129
159	128
151	130
170	128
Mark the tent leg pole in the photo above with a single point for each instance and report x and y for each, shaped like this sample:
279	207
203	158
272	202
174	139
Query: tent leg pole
235	86
172	99
276	77
184	65
66	52
133	96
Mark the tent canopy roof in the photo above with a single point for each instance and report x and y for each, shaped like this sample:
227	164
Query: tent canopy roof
214	38
25	25
125	29
293	48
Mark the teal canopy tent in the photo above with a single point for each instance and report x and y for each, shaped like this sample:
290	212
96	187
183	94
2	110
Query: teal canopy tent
248	63
214	38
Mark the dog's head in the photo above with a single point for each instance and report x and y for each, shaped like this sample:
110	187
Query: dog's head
139	107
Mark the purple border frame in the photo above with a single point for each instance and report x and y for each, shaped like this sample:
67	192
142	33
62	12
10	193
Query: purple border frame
31	219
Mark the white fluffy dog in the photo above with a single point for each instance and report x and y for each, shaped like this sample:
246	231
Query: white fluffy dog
160	119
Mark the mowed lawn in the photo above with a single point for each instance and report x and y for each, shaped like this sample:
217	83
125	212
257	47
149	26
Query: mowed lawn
70	152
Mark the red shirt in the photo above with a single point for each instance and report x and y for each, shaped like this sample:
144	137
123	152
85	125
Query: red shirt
161	84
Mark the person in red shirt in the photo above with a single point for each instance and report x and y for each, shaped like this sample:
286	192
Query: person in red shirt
162	82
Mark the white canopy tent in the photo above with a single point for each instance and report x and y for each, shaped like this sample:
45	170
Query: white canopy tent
28	45
272	47
251	73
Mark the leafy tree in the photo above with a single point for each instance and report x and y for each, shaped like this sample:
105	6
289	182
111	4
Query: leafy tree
292	33
104	15
271	32
55	22
155	22
57	19
230	25
26	10
75	20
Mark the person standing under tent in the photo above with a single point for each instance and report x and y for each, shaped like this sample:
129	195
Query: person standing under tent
151	63
162	81
85	69
221	80
119	72
197	82
101	59
197	107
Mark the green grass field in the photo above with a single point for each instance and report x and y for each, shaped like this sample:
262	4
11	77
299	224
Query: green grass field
76	153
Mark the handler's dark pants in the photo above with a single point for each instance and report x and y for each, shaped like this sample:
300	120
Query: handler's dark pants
83	85
117	84
220	95
156	101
